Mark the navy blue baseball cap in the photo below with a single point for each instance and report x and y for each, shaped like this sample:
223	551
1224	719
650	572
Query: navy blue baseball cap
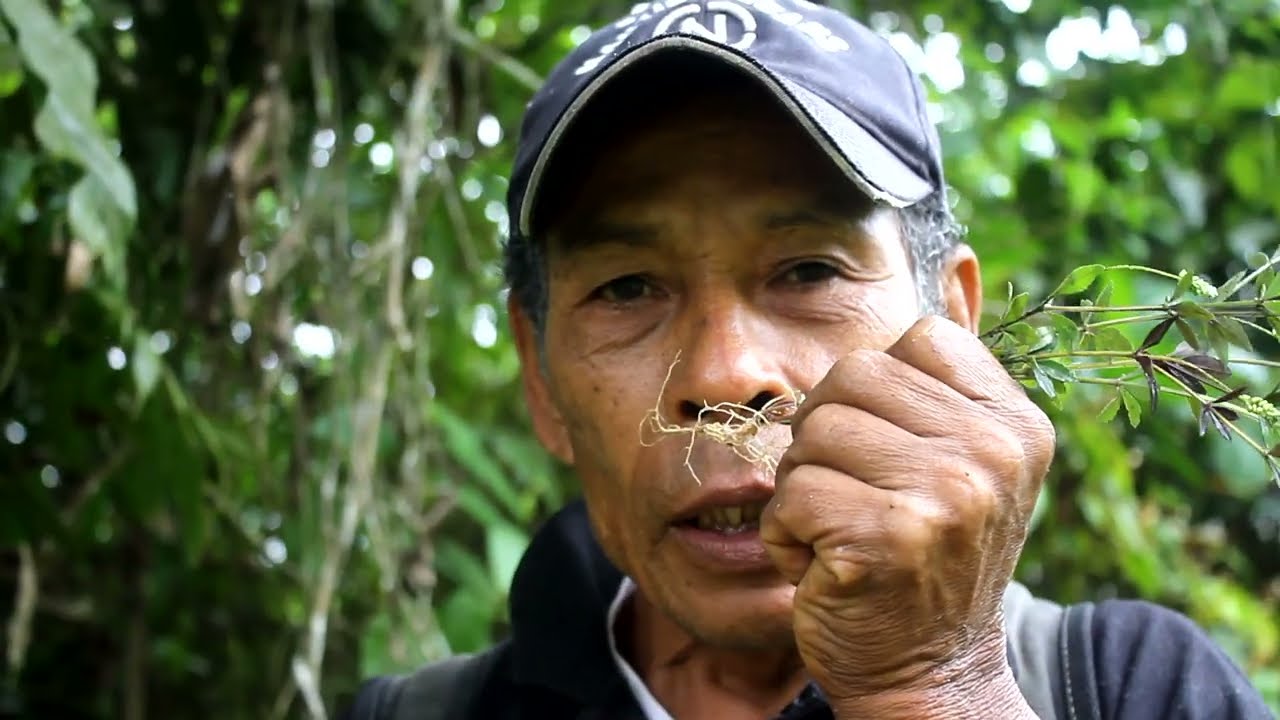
843	83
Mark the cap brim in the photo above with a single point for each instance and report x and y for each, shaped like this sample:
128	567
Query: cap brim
871	166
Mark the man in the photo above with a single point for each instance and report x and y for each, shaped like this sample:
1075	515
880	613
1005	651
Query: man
725	202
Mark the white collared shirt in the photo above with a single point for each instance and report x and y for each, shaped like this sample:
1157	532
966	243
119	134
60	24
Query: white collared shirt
649	705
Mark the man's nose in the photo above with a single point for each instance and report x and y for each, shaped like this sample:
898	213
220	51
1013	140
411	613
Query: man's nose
728	355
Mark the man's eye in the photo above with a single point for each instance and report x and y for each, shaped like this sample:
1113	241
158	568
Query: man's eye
624	289
809	273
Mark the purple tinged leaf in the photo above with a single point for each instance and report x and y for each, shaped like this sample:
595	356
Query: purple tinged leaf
1228	397
1218	424
1144	362
1157	333
1181	374
1210	365
1209	415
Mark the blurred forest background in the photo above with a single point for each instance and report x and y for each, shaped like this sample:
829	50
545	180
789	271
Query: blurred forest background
260	431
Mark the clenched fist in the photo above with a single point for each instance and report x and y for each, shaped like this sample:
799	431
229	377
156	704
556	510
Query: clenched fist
900	512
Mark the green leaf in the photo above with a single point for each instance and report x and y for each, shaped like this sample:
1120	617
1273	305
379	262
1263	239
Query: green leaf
10	65
1244	168
146	366
1230	287
1104	295
477	505
1024	334
1192	309
1108	412
1251	83
465	617
1078	280
1110	338
1273	287
66	125
461	566
1218	340
1184	284
1017	306
1188	333
1043	381
192	514
1066	330
16	167
99	224
78	139
466	446
1057	371
505	545
1235	332
1131	407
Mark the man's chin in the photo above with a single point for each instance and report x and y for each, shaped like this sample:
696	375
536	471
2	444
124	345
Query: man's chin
746	616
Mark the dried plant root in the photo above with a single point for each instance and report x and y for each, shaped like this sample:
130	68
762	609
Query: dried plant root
731	424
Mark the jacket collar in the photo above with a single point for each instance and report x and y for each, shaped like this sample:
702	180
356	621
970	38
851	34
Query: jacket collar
559	603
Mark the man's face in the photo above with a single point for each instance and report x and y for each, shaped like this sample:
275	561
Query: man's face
721	233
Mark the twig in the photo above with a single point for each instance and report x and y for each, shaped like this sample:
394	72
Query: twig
135	652
371	406
413	146
94	482
518	71
24	610
11	355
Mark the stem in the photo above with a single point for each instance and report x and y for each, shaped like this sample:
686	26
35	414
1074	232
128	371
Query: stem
1117	354
1231	424
1256	326
1258	362
1112	365
24	610
1179	392
1145	269
1126	320
1271	262
1223	307
1243	435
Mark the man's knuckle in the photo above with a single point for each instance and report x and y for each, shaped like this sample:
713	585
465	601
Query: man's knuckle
816	423
847	563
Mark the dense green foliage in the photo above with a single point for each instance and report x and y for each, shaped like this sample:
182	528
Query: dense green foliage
262	432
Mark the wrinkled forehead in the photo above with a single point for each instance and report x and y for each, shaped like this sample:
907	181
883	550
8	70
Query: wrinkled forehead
673	118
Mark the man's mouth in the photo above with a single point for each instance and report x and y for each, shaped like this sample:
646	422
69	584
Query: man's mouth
728	519
720	531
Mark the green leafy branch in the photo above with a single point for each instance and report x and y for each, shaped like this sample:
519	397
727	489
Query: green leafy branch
1054	346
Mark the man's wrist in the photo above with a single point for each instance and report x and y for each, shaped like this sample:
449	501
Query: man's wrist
964	698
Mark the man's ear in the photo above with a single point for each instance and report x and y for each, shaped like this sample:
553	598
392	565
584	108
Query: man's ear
962	287
548	425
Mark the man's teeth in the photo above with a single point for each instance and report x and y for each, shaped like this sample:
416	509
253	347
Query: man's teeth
734	518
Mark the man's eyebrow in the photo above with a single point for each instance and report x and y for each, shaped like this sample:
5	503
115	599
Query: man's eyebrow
824	213
590	233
